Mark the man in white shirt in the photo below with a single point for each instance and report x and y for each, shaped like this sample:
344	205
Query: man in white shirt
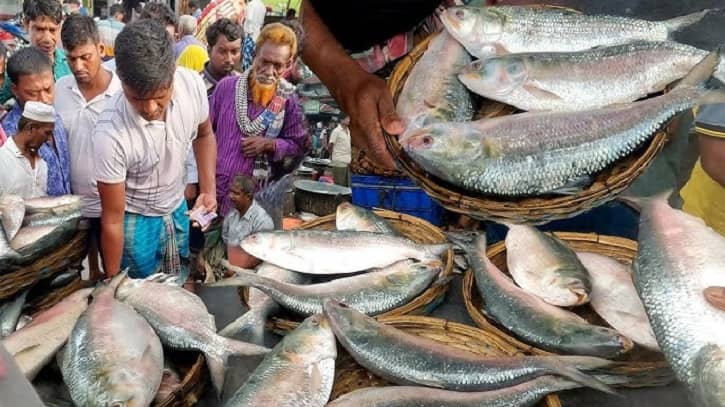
22	171
254	19
79	99
341	153
141	141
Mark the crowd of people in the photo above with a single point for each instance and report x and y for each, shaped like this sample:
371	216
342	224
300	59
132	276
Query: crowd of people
146	131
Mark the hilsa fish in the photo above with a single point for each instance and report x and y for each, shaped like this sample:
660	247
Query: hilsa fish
538	153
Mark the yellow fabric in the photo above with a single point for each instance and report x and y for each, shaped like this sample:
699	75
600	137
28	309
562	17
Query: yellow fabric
703	196
193	57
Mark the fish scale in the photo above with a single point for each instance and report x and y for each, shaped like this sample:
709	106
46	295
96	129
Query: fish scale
535	153
678	258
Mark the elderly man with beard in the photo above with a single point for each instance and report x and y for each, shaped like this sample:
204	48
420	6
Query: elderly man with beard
256	116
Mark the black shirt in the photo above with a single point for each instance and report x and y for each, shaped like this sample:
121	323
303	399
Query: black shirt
360	24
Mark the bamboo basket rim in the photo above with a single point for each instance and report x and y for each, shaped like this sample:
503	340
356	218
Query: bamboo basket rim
420	302
607	185
455	331
191	387
634	368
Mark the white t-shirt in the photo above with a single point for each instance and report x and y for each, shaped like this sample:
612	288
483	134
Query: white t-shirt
17	176
341	151
79	119
254	20
149	156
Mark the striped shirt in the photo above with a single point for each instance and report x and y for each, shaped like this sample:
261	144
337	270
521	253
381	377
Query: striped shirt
230	159
149	156
108	30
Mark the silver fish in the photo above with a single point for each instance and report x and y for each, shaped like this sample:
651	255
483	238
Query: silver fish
520	395
36	344
407	359
10	313
12	208
583	80
615	299
182	321
432	92
678	257
250	326
352	217
542	152
545	266
8	255
113	356
371	293
63	203
57	217
514	29
335	252
299	371
63	279
536	322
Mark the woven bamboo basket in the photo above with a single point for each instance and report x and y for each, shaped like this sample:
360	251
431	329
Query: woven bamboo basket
532	210
192	367
361	164
349	376
644	367
413	228
58	260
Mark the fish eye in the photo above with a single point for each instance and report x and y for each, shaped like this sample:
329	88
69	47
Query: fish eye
427	141
461	13
315	321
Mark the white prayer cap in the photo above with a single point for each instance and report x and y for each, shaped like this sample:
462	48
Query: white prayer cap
39	112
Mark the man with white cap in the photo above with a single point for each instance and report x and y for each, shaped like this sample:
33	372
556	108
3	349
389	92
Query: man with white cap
22	171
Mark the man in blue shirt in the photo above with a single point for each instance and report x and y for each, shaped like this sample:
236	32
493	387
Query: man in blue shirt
42	20
31	73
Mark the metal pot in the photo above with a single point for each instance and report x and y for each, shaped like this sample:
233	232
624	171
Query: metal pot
319	198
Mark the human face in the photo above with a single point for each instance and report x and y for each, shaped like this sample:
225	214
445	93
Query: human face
40	133
224	56
271	63
151	106
85	61
44	34
38	87
239	198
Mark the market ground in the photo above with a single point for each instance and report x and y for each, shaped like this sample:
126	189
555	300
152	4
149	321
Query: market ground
669	170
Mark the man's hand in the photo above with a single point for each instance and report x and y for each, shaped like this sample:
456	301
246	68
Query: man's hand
208	201
254	146
370	105
716	297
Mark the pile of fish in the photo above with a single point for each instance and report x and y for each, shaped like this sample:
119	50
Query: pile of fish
109	341
579	77
365	263
549	275
30	229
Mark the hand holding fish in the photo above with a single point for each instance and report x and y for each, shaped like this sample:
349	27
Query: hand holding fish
716	297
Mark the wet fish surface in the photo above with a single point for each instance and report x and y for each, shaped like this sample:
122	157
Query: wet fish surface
12	211
183	322
62	203
543	265
432	91
335	252
299	372
250	326
615	299
678	257
537	153
357	218
10	314
536	322
515	29
36	344
583	80
113	356
520	395
371	293
408	359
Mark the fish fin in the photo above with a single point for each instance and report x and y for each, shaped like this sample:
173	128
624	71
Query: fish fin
639	202
217	357
539	93
704	69
563	367
441	281
574	186
111	285
248	328
712	97
27	348
437	250
678	23
217	364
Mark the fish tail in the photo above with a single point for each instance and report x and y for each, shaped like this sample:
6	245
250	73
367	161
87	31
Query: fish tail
111	286
437	250
217	364
218	355
563	366
242	277
248	327
639	202
678	23
704	69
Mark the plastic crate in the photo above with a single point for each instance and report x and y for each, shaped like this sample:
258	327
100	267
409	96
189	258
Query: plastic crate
397	194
